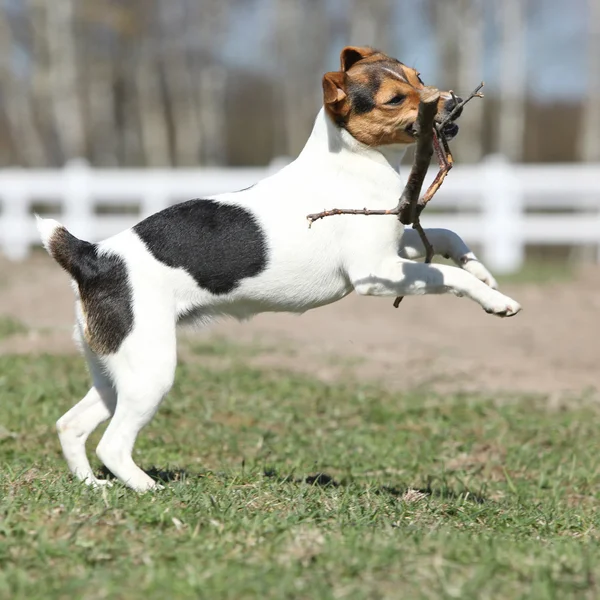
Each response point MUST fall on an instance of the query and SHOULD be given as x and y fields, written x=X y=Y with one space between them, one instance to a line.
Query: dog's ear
x=334 y=87
x=334 y=93
x=352 y=54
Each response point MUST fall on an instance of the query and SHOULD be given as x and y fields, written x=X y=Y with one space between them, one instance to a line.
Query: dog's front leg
x=447 y=244
x=395 y=276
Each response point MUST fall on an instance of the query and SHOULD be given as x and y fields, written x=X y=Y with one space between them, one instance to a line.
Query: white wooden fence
x=496 y=205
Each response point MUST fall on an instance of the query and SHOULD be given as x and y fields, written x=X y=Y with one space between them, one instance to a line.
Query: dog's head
x=376 y=98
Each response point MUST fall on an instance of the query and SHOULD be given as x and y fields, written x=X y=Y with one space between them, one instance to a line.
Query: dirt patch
x=443 y=342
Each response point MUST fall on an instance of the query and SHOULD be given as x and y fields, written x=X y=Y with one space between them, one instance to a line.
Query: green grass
x=541 y=272
x=507 y=509
x=534 y=271
x=10 y=327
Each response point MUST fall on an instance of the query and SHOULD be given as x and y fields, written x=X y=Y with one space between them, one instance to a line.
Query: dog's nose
x=450 y=104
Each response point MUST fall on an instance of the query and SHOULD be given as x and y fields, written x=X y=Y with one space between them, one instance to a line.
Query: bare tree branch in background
x=589 y=133
x=511 y=123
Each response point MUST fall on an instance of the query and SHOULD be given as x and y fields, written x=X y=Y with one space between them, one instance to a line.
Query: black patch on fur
x=218 y=244
x=103 y=287
x=362 y=95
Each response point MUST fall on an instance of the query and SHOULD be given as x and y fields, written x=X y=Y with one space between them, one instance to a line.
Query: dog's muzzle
x=451 y=128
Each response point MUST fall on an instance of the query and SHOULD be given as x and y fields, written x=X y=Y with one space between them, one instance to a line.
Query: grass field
x=282 y=487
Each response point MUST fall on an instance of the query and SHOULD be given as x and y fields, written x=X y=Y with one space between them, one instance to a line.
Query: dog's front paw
x=500 y=305
x=472 y=265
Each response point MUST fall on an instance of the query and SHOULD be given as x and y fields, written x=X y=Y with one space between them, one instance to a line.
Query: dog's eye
x=397 y=99
x=419 y=78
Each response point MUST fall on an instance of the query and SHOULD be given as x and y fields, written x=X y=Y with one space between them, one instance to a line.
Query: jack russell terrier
x=242 y=253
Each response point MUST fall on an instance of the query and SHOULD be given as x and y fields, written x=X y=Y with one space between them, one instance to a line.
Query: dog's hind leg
x=75 y=426
x=143 y=370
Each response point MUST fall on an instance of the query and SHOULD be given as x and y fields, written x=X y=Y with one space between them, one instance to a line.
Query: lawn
x=278 y=486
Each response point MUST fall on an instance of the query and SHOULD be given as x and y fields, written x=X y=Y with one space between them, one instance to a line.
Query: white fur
x=307 y=268
x=46 y=228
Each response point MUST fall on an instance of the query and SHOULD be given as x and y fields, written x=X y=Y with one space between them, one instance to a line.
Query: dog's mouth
x=450 y=130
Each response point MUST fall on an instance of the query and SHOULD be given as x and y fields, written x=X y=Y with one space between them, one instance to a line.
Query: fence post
x=503 y=208
x=15 y=219
x=78 y=207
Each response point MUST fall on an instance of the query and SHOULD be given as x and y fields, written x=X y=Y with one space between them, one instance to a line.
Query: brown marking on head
x=375 y=97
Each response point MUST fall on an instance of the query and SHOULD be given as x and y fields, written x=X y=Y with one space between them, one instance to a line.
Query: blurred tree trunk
x=370 y=24
x=212 y=97
x=209 y=24
x=469 y=143
x=301 y=45
x=100 y=108
x=511 y=121
x=26 y=141
x=179 y=80
x=458 y=29
x=65 y=96
x=589 y=136
x=290 y=46
x=155 y=134
x=446 y=21
x=97 y=70
x=127 y=102
x=40 y=95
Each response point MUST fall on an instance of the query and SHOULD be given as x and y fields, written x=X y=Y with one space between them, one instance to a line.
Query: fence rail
x=499 y=206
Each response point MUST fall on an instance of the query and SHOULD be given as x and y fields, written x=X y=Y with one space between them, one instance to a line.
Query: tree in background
x=458 y=27
x=513 y=92
x=590 y=123
x=149 y=82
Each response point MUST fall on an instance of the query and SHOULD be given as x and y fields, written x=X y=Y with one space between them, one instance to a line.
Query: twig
x=450 y=116
x=446 y=162
x=347 y=211
x=445 y=159
x=454 y=97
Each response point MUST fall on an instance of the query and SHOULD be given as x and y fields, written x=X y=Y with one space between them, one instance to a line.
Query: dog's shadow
x=443 y=491
x=159 y=475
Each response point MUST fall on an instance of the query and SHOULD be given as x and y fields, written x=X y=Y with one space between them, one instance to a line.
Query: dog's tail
x=72 y=254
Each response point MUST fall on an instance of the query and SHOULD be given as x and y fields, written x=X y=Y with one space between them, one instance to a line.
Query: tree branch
x=407 y=205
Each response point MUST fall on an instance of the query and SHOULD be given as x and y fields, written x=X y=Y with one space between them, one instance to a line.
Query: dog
x=242 y=253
